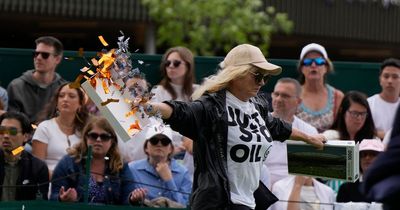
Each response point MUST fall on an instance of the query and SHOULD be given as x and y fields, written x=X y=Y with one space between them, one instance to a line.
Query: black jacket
x=33 y=177
x=206 y=122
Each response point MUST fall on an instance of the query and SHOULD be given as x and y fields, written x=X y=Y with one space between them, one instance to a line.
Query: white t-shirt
x=161 y=94
x=383 y=112
x=277 y=159
x=249 y=142
x=49 y=133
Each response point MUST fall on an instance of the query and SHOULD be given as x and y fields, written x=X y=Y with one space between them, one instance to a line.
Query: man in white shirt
x=285 y=100
x=384 y=105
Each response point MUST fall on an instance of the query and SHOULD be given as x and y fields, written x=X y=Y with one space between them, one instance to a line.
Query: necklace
x=68 y=130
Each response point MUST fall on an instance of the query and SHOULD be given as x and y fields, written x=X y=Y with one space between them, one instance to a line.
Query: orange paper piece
x=135 y=126
x=17 y=150
x=103 y=41
x=94 y=62
x=77 y=82
x=132 y=112
x=109 y=100
x=105 y=87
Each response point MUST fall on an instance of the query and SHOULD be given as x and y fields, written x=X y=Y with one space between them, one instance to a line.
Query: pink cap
x=371 y=145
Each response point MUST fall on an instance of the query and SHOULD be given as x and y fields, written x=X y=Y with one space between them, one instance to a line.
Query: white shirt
x=161 y=94
x=276 y=162
x=49 y=133
x=383 y=112
x=248 y=144
x=283 y=188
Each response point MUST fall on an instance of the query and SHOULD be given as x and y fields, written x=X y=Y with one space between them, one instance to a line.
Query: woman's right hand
x=68 y=196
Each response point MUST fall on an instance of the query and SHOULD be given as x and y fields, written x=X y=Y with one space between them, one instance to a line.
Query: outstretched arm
x=317 y=140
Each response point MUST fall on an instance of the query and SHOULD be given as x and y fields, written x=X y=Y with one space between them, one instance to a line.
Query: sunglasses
x=45 y=55
x=164 y=141
x=175 y=63
x=13 y=131
x=103 y=137
x=318 y=61
x=260 y=77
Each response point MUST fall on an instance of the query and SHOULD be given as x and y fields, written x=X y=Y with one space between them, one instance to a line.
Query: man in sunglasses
x=159 y=175
x=22 y=176
x=30 y=92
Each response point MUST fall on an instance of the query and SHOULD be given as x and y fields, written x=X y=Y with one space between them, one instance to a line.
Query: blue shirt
x=177 y=189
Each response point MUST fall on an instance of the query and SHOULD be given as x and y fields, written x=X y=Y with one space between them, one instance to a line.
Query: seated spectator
x=110 y=180
x=22 y=176
x=353 y=122
x=369 y=149
x=320 y=101
x=4 y=98
x=300 y=192
x=62 y=130
x=159 y=175
x=384 y=104
x=285 y=101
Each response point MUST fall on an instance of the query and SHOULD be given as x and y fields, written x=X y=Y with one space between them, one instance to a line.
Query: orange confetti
x=103 y=41
x=105 y=87
x=135 y=126
x=77 y=82
x=94 y=62
x=109 y=100
x=132 y=112
x=17 y=150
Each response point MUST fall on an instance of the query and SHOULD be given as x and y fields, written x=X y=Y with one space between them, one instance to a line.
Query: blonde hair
x=221 y=79
x=79 y=151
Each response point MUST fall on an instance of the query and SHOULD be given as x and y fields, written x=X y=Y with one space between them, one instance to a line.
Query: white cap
x=158 y=128
x=313 y=47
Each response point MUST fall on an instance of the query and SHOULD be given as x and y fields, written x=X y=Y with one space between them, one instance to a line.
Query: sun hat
x=245 y=54
x=371 y=145
x=313 y=47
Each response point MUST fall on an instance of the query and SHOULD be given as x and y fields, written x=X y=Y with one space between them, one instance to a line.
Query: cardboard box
x=115 y=112
x=338 y=160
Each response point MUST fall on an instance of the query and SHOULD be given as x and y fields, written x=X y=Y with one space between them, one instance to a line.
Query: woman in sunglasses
x=232 y=132
x=177 y=69
x=62 y=122
x=159 y=175
x=320 y=101
x=110 y=181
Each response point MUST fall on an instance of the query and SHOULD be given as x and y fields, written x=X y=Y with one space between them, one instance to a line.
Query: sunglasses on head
x=45 y=55
x=260 y=77
x=103 y=136
x=175 y=63
x=164 y=141
x=13 y=131
x=318 y=61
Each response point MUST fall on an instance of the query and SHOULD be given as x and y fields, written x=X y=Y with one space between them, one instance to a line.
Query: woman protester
x=66 y=116
x=110 y=180
x=232 y=132
x=320 y=101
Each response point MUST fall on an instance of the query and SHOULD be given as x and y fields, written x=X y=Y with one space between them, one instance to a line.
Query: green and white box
x=115 y=112
x=338 y=160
